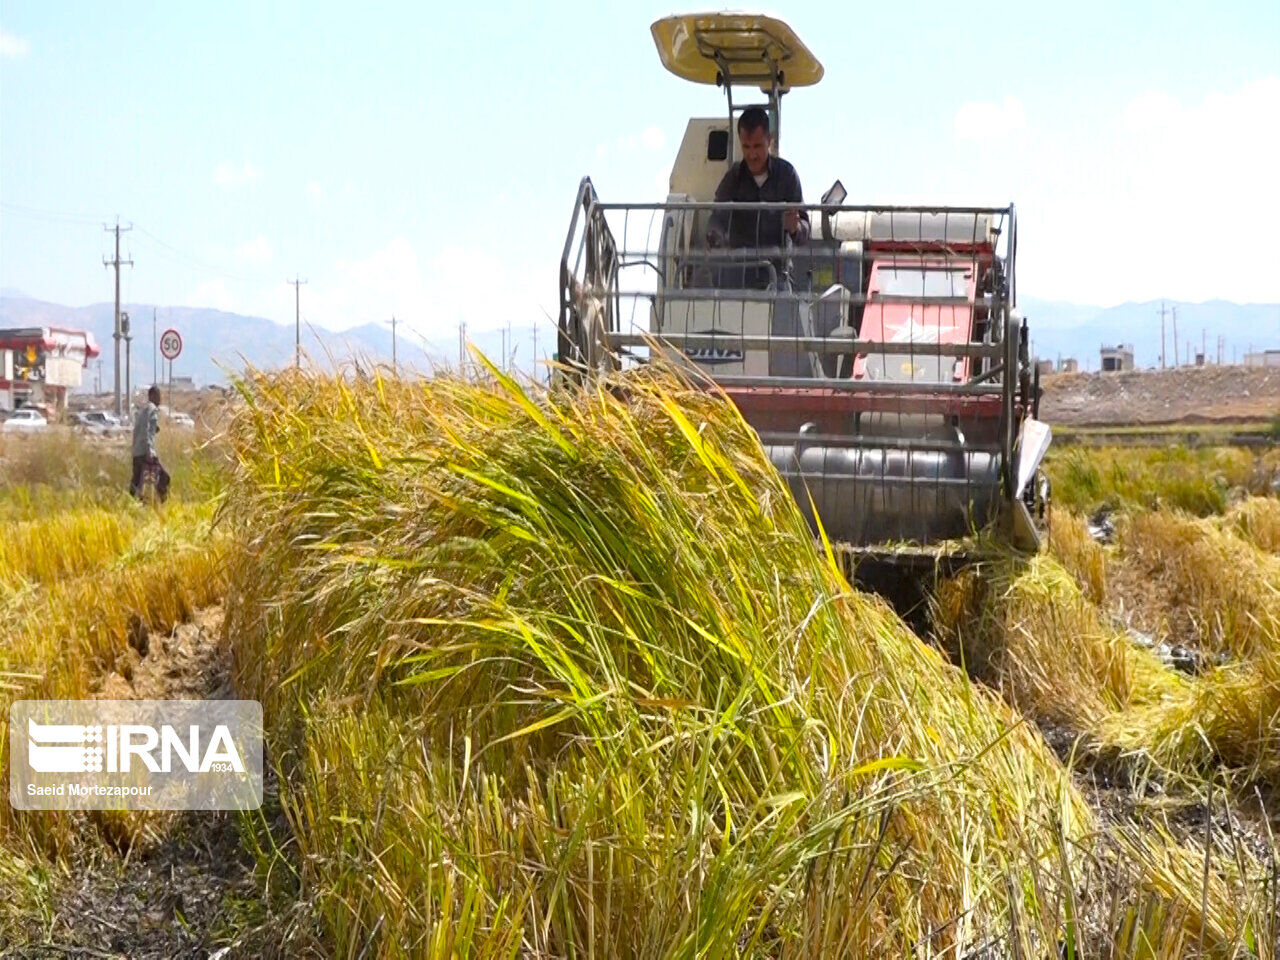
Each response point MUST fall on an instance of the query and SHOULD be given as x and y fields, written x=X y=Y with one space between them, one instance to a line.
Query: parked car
x=96 y=422
x=25 y=420
x=182 y=421
x=86 y=422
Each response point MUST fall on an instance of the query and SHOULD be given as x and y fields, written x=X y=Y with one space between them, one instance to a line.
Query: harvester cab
x=883 y=362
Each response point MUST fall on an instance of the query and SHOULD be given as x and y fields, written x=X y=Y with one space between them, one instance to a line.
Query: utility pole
x=116 y=334
x=1204 y=344
x=535 y=352
x=155 y=363
x=504 y=350
x=1222 y=342
x=462 y=348
x=1162 y=313
x=394 y=366
x=297 y=320
x=1176 y=362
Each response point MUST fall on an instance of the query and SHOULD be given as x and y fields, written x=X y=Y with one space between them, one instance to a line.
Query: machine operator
x=759 y=177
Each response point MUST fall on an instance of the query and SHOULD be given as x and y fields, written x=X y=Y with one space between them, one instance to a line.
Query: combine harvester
x=883 y=363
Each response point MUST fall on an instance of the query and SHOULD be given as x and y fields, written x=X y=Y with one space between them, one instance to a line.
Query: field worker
x=759 y=177
x=145 y=427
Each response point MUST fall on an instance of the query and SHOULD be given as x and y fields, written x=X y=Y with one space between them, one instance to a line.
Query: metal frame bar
x=822 y=345
x=788 y=438
x=768 y=206
x=859 y=386
x=735 y=295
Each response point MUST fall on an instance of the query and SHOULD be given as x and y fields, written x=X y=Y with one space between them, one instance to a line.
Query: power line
x=52 y=216
x=173 y=253
x=191 y=261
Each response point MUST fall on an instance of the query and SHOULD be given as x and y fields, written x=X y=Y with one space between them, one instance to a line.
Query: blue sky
x=424 y=163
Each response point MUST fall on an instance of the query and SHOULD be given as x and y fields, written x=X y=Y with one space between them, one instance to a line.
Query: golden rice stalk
x=1228 y=588
x=571 y=673
x=1025 y=627
x=1256 y=520
x=1079 y=553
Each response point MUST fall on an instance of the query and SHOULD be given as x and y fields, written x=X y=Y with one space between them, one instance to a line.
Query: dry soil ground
x=169 y=896
x=1185 y=395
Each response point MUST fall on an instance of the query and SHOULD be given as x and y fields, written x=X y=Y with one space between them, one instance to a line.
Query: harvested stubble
x=568 y=678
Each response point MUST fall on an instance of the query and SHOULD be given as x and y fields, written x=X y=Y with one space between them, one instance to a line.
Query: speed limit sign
x=170 y=344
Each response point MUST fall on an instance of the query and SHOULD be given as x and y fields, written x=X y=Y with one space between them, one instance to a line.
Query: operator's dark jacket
x=758 y=228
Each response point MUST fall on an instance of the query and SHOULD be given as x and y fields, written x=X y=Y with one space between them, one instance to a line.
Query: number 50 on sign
x=170 y=344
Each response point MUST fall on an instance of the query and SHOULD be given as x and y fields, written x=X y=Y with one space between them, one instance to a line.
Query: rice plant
x=1199 y=481
x=565 y=676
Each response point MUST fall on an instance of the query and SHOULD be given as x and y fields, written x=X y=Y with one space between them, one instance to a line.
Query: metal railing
x=629 y=268
x=882 y=362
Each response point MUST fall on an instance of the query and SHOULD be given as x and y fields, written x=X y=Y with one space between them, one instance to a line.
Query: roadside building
x=1044 y=367
x=41 y=365
x=1262 y=358
x=1069 y=365
x=1117 y=359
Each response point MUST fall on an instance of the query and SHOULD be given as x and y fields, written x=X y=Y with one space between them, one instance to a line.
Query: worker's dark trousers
x=162 y=477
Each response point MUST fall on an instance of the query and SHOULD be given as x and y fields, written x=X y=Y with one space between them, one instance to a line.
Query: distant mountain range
x=215 y=341
x=1060 y=329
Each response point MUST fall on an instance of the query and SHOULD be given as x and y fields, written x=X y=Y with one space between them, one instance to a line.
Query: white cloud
x=11 y=46
x=653 y=138
x=432 y=296
x=214 y=294
x=1168 y=199
x=650 y=139
x=229 y=174
x=257 y=251
x=314 y=190
x=976 y=120
x=1151 y=111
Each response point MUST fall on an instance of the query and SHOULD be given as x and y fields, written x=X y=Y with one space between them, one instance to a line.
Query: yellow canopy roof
x=693 y=45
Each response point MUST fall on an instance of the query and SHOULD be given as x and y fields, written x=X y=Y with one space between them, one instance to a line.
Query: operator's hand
x=791 y=220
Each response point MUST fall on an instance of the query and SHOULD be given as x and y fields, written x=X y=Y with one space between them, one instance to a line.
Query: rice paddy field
x=567 y=676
